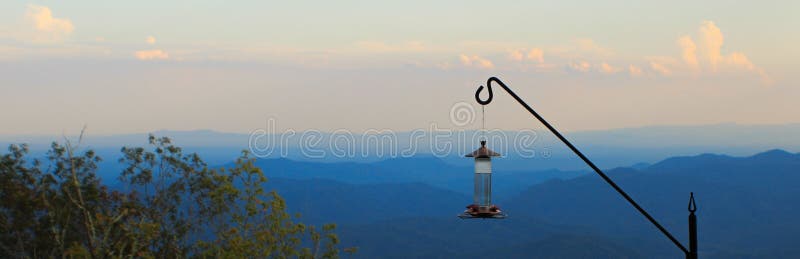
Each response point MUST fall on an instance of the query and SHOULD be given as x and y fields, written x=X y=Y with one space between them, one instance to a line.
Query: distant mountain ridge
x=608 y=148
x=721 y=134
x=740 y=200
x=745 y=210
x=429 y=170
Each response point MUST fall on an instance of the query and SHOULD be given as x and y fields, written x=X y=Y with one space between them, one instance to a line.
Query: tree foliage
x=168 y=205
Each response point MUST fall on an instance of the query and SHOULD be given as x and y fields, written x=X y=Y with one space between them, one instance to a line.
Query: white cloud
x=585 y=66
x=476 y=61
x=704 y=56
x=609 y=69
x=689 y=51
x=738 y=59
x=660 y=68
x=48 y=28
x=581 y=66
x=517 y=55
x=634 y=70
x=700 y=55
x=712 y=39
x=152 y=54
x=536 y=54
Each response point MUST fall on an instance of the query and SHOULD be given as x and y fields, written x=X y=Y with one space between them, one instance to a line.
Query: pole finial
x=692 y=204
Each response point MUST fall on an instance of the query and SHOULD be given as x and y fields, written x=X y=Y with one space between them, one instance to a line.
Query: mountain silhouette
x=745 y=209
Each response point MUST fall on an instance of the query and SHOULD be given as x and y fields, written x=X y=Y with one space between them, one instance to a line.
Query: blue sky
x=122 y=67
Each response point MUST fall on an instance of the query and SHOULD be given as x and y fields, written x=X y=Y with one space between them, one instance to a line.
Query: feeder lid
x=483 y=151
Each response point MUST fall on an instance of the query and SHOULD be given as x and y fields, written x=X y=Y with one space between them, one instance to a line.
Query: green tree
x=169 y=205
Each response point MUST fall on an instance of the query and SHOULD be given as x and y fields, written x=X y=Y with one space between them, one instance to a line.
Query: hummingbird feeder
x=482 y=206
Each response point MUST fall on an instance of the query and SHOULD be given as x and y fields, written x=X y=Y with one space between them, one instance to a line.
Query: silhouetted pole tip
x=692 y=254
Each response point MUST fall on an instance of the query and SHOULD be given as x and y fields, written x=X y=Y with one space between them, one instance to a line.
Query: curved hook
x=489 y=87
x=692 y=204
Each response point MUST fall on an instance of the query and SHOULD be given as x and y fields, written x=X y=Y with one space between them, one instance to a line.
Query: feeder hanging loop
x=489 y=88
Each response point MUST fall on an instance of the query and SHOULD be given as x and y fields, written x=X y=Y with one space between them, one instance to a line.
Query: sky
x=139 y=66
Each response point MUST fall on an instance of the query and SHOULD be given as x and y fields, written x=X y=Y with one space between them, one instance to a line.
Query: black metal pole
x=584 y=158
x=692 y=228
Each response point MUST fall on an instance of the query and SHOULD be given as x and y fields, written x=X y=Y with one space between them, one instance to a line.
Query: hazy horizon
x=74 y=132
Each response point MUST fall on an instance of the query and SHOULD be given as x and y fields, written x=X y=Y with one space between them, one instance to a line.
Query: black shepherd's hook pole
x=691 y=253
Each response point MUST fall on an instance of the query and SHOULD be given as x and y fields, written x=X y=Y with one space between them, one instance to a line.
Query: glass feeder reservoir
x=482 y=206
